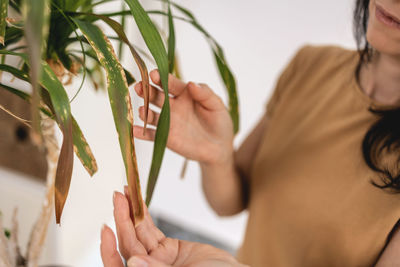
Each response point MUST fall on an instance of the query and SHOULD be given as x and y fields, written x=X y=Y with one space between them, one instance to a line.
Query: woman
x=319 y=172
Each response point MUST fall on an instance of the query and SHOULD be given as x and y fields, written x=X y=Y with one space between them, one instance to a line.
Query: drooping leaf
x=223 y=67
x=60 y=102
x=155 y=44
x=121 y=106
x=230 y=84
x=3 y=17
x=62 y=111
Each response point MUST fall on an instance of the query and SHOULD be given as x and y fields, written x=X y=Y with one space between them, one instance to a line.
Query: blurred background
x=259 y=38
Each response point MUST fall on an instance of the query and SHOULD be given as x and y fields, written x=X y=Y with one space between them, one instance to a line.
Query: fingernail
x=114 y=196
x=103 y=228
x=139 y=88
x=137 y=262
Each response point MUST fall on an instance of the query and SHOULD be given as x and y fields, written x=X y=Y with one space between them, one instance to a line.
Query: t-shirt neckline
x=366 y=99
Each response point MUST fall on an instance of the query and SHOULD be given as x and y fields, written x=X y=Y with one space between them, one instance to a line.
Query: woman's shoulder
x=323 y=56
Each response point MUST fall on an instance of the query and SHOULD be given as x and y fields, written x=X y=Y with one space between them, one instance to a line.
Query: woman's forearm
x=223 y=187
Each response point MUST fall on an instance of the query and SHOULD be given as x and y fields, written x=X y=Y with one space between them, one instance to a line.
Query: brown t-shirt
x=312 y=202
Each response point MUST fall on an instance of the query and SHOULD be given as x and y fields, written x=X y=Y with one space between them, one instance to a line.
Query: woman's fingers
x=145 y=261
x=156 y=96
x=175 y=86
x=148 y=234
x=202 y=94
x=128 y=243
x=108 y=249
x=149 y=135
x=152 y=117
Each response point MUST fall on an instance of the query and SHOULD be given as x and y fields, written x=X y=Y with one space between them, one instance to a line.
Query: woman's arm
x=226 y=185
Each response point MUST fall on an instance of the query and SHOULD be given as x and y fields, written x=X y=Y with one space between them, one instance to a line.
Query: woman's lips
x=386 y=18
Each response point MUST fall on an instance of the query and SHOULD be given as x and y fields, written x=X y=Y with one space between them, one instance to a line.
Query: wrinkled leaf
x=155 y=44
x=3 y=17
x=121 y=106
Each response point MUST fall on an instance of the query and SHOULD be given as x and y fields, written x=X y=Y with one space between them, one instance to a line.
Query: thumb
x=202 y=94
x=145 y=261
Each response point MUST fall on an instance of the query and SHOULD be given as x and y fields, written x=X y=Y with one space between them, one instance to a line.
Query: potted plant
x=59 y=40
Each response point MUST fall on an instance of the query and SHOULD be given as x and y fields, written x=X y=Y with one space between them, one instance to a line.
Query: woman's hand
x=201 y=128
x=146 y=245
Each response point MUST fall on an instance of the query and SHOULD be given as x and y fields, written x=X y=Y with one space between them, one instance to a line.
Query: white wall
x=259 y=37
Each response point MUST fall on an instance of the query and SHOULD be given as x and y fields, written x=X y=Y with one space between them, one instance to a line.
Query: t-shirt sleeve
x=286 y=76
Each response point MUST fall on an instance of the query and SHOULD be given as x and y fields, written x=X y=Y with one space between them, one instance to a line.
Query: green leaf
x=123 y=20
x=3 y=16
x=82 y=149
x=129 y=77
x=121 y=107
x=119 y=30
x=223 y=67
x=22 y=75
x=16 y=92
x=155 y=44
x=13 y=35
x=171 y=40
x=230 y=84
x=60 y=102
x=7 y=233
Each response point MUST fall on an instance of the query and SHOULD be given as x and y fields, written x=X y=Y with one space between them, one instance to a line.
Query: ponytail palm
x=52 y=30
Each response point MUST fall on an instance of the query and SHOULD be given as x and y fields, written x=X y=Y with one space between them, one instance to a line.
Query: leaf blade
x=121 y=107
x=62 y=110
x=155 y=44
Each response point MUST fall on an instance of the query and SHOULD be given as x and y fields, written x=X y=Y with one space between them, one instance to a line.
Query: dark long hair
x=383 y=138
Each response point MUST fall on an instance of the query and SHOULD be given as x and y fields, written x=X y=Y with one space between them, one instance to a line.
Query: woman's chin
x=383 y=44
